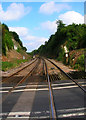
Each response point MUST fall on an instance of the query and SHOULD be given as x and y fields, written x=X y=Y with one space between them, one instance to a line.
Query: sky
x=35 y=22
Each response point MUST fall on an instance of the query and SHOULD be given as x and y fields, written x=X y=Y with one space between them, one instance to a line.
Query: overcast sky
x=36 y=21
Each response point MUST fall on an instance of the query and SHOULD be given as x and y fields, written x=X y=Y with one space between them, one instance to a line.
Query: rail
x=18 y=71
x=21 y=81
x=52 y=106
x=68 y=76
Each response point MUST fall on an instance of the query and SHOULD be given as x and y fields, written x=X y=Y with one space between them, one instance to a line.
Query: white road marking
x=71 y=115
x=66 y=87
x=67 y=83
x=55 y=84
x=55 y=88
x=40 y=89
x=17 y=117
x=71 y=110
x=22 y=86
x=40 y=117
x=5 y=87
x=27 y=114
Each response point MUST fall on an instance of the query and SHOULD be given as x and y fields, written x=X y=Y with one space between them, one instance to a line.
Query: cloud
x=22 y=31
x=51 y=7
x=30 y=41
x=35 y=43
x=51 y=27
x=72 y=17
x=14 y=12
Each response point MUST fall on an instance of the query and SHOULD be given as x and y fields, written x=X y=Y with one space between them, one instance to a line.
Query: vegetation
x=72 y=36
x=7 y=43
x=80 y=63
x=8 y=65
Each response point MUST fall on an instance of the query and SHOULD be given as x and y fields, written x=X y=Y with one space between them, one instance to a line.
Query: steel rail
x=22 y=80
x=52 y=106
x=18 y=71
x=68 y=76
x=25 y=77
x=43 y=68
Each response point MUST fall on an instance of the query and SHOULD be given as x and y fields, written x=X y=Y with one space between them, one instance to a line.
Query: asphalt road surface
x=33 y=101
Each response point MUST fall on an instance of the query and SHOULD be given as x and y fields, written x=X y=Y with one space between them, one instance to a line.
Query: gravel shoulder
x=65 y=68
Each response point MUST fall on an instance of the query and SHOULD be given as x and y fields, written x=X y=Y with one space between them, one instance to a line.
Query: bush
x=7 y=42
x=61 y=55
x=80 y=63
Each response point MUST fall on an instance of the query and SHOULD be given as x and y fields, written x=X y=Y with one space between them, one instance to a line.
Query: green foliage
x=16 y=37
x=6 y=65
x=5 y=27
x=61 y=55
x=21 y=50
x=18 y=49
x=72 y=36
x=80 y=63
x=24 y=48
x=7 y=42
x=13 y=64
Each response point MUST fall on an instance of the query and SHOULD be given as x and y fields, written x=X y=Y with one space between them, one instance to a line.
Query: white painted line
x=27 y=114
x=34 y=118
x=22 y=86
x=66 y=83
x=71 y=115
x=22 y=113
x=36 y=89
x=18 y=117
x=55 y=84
x=15 y=113
x=6 y=87
x=66 y=87
x=27 y=90
x=39 y=112
x=62 y=84
x=19 y=113
x=71 y=110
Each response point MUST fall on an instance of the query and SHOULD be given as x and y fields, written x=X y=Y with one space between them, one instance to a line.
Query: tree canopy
x=72 y=36
x=7 y=43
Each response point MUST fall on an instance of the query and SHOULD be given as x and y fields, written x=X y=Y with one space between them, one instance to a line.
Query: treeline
x=7 y=36
x=72 y=36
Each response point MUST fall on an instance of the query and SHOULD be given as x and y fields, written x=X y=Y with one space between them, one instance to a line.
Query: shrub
x=80 y=63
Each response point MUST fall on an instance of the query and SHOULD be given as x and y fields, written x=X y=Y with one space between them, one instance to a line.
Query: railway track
x=45 y=81
x=20 y=81
x=54 y=77
x=11 y=75
x=67 y=76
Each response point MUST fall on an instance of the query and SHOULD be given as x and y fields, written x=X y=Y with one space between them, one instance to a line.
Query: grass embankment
x=9 y=65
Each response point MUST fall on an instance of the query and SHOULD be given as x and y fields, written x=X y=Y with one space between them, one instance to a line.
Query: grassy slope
x=9 y=65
